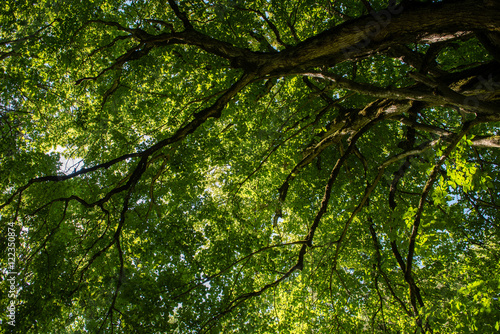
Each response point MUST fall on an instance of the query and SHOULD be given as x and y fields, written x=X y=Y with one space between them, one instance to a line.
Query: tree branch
x=181 y=15
x=269 y=23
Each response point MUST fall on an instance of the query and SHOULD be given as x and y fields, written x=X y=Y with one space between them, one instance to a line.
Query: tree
x=252 y=166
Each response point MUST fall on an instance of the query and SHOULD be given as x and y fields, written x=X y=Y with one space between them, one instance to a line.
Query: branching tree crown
x=189 y=166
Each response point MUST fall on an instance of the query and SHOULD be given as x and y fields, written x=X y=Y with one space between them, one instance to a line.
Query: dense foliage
x=266 y=166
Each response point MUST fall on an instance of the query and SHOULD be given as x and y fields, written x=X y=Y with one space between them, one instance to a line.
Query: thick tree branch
x=414 y=291
x=428 y=186
x=491 y=42
x=342 y=126
x=181 y=15
x=332 y=178
x=269 y=23
x=478 y=141
x=474 y=103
